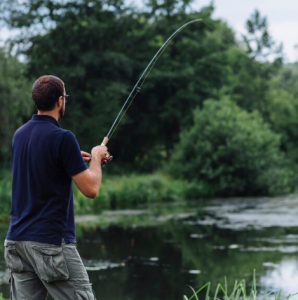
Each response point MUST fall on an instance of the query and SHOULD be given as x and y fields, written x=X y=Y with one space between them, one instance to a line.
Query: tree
x=259 y=43
x=101 y=47
x=283 y=112
x=15 y=100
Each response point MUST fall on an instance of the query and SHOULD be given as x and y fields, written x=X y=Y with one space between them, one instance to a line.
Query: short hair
x=46 y=91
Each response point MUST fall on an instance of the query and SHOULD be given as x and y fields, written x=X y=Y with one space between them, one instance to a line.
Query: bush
x=230 y=152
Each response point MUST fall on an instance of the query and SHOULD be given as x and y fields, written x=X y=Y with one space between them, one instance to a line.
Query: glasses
x=65 y=97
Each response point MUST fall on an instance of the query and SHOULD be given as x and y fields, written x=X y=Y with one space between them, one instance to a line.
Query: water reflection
x=283 y=275
x=155 y=252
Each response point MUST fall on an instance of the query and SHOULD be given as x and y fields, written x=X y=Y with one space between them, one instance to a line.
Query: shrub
x=230 y=152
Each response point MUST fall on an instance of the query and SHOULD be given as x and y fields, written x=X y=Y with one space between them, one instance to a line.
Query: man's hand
x=99 y=152
x=86 y=156
x=89 y=181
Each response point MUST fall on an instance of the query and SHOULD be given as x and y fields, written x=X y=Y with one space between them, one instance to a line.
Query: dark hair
x=46 y=91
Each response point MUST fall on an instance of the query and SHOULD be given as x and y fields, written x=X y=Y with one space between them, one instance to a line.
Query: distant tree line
x=216 y=110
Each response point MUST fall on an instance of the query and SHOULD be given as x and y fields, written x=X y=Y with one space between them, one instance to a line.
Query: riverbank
x=124 y=192
x=117 y=192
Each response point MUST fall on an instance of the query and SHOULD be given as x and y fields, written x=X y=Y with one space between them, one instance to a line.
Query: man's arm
x=89 y=181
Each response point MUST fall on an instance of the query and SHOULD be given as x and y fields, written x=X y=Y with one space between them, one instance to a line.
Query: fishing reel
x=108 y=158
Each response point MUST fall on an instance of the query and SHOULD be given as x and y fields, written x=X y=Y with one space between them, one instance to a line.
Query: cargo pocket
x=50 y=263
x=84 y=292
x=12 y=258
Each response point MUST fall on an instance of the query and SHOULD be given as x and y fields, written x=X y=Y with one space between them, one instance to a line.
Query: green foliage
x=100 y=48
x=117 y=192
x=15 y=101
x=231 y=152
x=258 y=41
x=5 y=194
x=283 y=110
x=108 y=47
x=2 y=298
x=127 y=191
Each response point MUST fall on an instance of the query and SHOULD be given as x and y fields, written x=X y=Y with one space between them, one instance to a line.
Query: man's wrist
x=96 y=159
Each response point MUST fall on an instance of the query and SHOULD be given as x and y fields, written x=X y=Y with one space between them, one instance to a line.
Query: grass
x=239 y=292
x=119 y=192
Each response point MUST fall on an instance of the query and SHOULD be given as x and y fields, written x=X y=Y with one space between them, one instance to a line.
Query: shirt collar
x=46 y=118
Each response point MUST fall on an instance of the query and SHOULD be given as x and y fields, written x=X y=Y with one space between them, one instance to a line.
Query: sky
x=282 y=17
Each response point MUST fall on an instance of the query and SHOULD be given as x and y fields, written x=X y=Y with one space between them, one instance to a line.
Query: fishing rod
x=137 y=89
x=138 y=85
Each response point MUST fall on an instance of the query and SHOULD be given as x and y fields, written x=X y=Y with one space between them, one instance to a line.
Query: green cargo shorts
x=38 y=269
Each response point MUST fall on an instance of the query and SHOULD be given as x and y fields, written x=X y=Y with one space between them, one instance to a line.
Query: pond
x=156 y=252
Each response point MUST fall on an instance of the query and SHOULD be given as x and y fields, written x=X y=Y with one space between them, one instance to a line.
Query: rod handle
x=105 y=141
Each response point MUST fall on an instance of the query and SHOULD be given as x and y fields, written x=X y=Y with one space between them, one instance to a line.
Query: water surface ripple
x=155 y=252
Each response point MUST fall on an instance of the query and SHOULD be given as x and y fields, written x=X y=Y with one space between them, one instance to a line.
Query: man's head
x=48 y=93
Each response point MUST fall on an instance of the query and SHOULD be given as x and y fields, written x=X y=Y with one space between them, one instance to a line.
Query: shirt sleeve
x=70 y=154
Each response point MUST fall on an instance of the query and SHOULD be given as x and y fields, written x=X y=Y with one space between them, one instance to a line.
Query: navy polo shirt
x=44 y=157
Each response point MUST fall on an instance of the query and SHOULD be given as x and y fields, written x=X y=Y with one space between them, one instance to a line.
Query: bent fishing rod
x=137 y=89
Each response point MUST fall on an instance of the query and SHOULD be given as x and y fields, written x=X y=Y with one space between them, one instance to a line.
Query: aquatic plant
x=239 y=292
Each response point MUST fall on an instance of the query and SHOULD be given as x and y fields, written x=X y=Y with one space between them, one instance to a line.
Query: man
x=40 y=246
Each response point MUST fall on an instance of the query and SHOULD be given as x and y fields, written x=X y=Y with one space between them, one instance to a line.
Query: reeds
x=239 y=292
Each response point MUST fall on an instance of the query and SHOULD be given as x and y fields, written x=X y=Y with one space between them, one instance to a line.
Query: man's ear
x=60 y=102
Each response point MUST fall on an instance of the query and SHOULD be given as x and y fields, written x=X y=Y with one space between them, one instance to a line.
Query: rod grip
x=105 y=141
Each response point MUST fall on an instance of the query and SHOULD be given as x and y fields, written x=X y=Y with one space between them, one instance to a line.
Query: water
x=156 y=252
